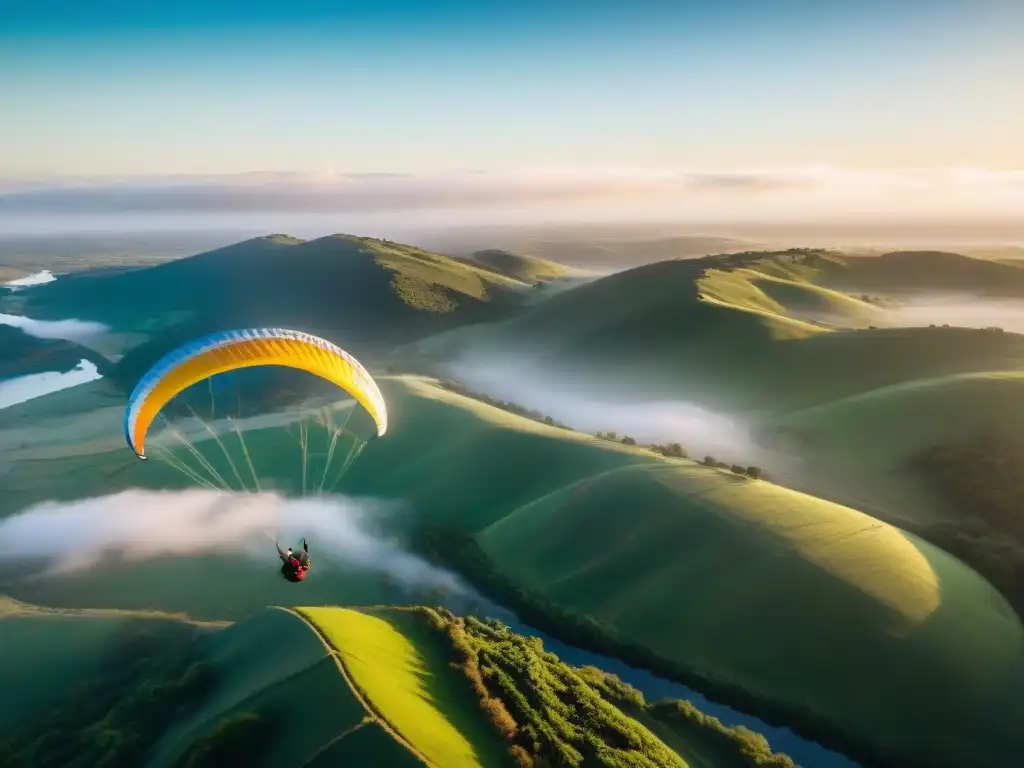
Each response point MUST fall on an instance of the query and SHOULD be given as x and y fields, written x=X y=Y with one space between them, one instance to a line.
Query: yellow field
x=394 y=665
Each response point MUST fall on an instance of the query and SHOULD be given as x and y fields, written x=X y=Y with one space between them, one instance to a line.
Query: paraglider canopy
x=232 y=350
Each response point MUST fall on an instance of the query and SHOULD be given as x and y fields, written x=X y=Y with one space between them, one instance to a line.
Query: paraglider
x=295 y=566
x=233 y=350
x=229 y=351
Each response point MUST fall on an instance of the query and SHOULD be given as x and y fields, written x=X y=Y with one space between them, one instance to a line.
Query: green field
x=403 y=672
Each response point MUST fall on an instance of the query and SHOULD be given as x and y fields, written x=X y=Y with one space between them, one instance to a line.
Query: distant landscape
x=672 y=500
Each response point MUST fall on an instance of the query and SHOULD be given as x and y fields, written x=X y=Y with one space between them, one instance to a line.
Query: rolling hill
x=826 y=591
x=924 y=271
x=863 y=441
x=73 y=646
x=624 y=250
x=526 y=269
x=815 y=594
x=810 y=569
x=745 y=333
x=366 y=294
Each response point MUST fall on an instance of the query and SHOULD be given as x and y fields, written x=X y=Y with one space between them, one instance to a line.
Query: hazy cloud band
x=809 y=191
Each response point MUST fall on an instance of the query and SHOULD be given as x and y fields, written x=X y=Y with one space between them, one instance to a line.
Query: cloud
x=797 y=192
x=66 y=330
x=699 y=429
x=140 y=525
x=39 y=278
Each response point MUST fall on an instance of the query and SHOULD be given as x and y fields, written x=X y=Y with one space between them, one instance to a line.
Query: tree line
x=550 y=713
x=677 y=451
x=505 y=405
x=981 y=481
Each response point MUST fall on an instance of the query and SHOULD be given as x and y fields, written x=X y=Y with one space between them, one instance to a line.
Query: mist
x=141 y=524
x=959 y=310
x=700 y=430
x=39 y=278
x=64 y=330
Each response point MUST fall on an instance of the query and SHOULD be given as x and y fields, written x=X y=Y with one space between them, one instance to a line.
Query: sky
x=116 y=96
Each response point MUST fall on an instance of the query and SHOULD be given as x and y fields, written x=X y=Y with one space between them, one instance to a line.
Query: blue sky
x=214 y=87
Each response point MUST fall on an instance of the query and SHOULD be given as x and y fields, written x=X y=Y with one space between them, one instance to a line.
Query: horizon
x=373 y=116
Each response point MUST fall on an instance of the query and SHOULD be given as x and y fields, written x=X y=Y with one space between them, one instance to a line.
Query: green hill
x=526 y=269
x=402 y=672
x=823 y=590
x=827 y=591
x=724 y=332
x=861 y=442
x=924 y=271
x=43 y=653
x=364 y=293
x=272 y=665
x=626 y=250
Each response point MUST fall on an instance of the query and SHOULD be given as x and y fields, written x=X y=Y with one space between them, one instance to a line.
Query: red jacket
x=298 y=568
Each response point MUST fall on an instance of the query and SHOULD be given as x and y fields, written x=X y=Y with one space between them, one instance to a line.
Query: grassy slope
x=365 y=294
x=826 y=591
x=403 y=672
x=71 y=648
x=714 y=335
x=924 y=271
x=527 y=269
x=616 y=252
x=860 y=442
x=271 y=662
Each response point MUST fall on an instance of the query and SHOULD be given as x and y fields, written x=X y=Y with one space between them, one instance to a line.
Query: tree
x=755 y=472
x=627 y=440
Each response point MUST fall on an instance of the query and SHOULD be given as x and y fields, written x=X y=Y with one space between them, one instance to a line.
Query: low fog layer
x=25 y=388
x=384 y=204
x=698 y=429
x=65 y=330
x=140 y=525
x=965 y=311
x=39 y=278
